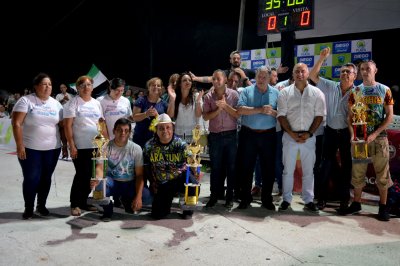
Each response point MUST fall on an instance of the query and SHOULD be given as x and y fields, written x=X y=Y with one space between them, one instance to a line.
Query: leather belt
x=272 y=129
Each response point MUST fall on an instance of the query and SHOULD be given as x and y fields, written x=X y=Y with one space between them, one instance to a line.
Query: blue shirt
x=252 y=97
x=336 y=103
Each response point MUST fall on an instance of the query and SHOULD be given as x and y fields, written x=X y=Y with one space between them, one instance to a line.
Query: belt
x=224 y=133
x=272 y=129
x=340 y=130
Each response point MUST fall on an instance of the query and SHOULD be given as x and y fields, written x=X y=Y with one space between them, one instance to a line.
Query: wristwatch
x=311 y=134
x=245 y=79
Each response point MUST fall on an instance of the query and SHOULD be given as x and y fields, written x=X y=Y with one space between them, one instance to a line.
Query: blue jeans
x=126 y=191
x=334 y=140
x=37 y=169
x=223 y=149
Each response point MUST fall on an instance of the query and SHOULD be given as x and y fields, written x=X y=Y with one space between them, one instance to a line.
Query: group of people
x=243 y=124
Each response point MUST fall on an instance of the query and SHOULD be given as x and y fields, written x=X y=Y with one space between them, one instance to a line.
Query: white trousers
x=290 y=150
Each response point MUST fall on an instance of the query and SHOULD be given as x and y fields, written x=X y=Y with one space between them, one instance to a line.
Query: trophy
x=99 y=167
x=359 y=141
x=191 y=199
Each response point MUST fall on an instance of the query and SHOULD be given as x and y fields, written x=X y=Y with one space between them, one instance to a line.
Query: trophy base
x=361 y=160
x=103 y=201
x=195 y=207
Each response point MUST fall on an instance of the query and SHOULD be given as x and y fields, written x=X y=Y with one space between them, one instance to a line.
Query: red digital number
x=305 y=18
x=271 y=24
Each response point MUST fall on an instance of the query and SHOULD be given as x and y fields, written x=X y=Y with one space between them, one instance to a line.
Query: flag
x=97 y=76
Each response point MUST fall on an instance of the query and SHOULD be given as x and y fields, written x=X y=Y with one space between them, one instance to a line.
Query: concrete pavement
x=214 y=236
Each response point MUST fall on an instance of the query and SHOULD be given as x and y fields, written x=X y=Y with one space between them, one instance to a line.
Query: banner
x=341 y=52
x=6 y=135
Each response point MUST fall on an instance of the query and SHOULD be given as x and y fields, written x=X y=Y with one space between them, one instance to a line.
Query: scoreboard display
x=275 y=16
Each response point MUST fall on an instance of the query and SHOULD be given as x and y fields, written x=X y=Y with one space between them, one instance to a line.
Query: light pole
x=240 y=27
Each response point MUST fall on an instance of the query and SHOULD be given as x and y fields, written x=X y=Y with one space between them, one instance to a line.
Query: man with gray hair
x=257 y=105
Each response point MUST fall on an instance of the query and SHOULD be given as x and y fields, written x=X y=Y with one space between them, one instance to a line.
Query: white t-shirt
x=40 y=129
x=86 y=116
x=114 y=110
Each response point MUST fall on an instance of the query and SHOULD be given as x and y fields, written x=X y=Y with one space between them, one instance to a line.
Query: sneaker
x=76 y=211
x=256 y=191
x=269 y=206
x=228 y=204
x=284 y=206
x=211 y=202
x=42 y=210
x=105 y=219
x=28 y=214
x=321 y=204
x=355 y=207
x=311 y=207
x=383 y=214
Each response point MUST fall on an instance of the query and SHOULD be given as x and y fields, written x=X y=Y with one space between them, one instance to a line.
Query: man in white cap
x=165 y=167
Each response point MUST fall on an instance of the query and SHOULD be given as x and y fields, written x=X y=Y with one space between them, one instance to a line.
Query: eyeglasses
x=348 y=71
x=83 y=85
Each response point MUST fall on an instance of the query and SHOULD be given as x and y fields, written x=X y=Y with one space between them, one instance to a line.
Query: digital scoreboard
x=275 y=16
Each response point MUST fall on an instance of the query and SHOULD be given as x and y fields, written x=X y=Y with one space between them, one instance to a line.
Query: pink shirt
x=223 y=121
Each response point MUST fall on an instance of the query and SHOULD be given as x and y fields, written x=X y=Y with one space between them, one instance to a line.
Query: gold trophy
x=99 y=166
x=359 y=141
x=191 y=200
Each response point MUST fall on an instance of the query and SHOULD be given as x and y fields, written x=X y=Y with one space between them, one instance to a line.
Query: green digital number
x=294 y=2
x=272 y=4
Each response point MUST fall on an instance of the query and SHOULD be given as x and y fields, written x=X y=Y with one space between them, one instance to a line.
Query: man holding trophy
x=370 y=104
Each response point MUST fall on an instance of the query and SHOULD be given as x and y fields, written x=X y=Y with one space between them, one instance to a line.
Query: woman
x=115 y=105
x=185 y=107
x=146 y=108
x=37 y=127
x=82 y=114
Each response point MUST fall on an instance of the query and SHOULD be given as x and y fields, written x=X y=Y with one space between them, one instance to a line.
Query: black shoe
x=42 y=210
x=243 y=205
x=311 y=207
x=343 y=207
x=228 y=204
x=383 y=214
x=211 y=202
x=355 y=207
x=186 y=215
x=28 y=213
x=284 y=206
x=269 y=206
x=321 y=204
x=106 y=218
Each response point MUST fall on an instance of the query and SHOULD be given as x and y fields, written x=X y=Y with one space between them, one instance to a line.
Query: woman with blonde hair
x=146 y=108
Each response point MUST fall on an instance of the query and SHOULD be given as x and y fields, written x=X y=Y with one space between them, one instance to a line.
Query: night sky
x=128 y=39
x=137 y=40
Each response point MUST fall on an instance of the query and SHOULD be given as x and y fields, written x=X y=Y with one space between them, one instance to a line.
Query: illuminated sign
x=275 y=16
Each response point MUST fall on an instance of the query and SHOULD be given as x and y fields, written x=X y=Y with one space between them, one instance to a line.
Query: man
x=64 y=96
x=219 y=108
x=124 y=171
x=379 y=101
x=257 y=106
x=165 y=167
x=337 y=133
x=301 y=109
x=246 y=75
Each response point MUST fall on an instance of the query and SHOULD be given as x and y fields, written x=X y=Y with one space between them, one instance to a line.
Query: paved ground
x=213 y=237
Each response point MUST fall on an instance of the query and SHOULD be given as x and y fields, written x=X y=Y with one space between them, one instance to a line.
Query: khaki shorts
x=378 y=150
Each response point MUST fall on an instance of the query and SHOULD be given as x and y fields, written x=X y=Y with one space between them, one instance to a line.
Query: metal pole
x=240 y=28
